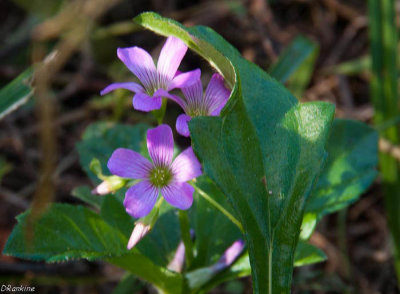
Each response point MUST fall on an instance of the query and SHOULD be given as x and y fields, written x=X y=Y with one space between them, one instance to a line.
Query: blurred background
x=319 y=49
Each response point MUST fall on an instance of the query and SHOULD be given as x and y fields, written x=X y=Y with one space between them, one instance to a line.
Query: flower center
x=197 y=111
x=160 y=176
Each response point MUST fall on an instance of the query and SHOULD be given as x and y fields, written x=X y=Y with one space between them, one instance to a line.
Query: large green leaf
x=160 y=244
x=100 y=139
x=66 y=232
x=16 y=93
x=214 y=231
x=264 y=153
x=349 y=170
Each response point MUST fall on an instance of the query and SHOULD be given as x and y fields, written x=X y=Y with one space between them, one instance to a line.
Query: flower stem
x=219 y=207
x=186 y=238
x=160 y=113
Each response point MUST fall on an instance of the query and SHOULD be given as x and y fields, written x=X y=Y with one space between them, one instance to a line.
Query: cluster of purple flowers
x=163 y=175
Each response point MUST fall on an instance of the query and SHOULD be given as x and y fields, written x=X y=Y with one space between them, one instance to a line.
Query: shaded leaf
x=349 y=170
x=16 y=93
x=100 y=139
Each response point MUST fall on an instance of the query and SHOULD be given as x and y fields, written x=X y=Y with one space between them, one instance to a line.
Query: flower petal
x=140 y=199
x=160 y=143
x=144 y=102
x=194 y=95
x=134 y=87
x=182 y=124
x=185 y=79
x=186 y=166
x=216 y=94
x=127 y=163
x=179 y=195
x=170 y=58
x=140 y=63
x=175 y=98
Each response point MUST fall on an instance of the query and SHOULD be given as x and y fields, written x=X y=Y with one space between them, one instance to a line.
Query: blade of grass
x=384 y=94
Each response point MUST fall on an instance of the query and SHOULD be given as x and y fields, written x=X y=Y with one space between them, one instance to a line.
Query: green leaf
x=160 y=244
x=349 y=170
x=307 y=254
x=100 y=139
x=299 y=52
x=66 y=232
x=129 y=284
x=214 y=231
x=263 y=136
x=84 y=194
x=16 y=93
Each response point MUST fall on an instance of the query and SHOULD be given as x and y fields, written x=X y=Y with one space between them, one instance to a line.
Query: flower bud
x=109 y=185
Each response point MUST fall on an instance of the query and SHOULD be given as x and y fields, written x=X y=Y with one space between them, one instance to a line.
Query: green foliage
x=16 y=93
x=348 y=172
x=272 y=138
x=308 y=254
x=100 y=139
x=84 y=194
x=385 y=99
x=296 y=64
x=214 y=231
x=65 y=232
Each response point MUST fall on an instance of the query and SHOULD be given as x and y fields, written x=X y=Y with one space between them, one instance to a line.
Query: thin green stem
x=219 y=207
x=186 y=238
x=160 y=113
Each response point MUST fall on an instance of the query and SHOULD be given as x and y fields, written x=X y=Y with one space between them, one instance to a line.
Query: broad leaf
x=101 y=139
x=16 y=93
x=349 y=170
x=264 y=153
x=66 y=232
x=214 y=231
x=84 y=194
x=160 y=244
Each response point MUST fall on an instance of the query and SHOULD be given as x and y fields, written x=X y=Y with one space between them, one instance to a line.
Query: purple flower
x=196 y=104
x=162 y=175
x=157 y=81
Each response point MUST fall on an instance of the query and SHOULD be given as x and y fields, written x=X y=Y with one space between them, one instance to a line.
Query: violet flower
x=162 y=175
x=197 y=104
x=156 y=81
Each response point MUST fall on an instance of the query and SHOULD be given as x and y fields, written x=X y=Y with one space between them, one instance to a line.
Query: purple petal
x=182 y=125
x=229 y=255
x=170 y=58
x=127 y=163
x=194 y=95
x=140 y=199
x=177 y=99
x=185 y=79
x=216 y=94
x=160 y=143
x=140 y=63
x=186 y=166
x=134 y=87
x=179 y=195
x=144 y=102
